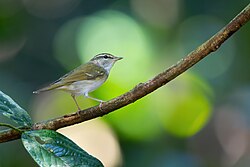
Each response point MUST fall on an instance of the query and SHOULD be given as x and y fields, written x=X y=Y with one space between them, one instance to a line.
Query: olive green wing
x=87 y=71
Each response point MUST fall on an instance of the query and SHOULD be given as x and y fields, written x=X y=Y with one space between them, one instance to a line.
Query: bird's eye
x=105 y=57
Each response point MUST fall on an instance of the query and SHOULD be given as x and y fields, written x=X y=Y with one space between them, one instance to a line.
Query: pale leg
x=87 y=96
x=73 y=96
x=101 y=101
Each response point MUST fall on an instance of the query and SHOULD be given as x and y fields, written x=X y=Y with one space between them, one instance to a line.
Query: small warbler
x=85 y=78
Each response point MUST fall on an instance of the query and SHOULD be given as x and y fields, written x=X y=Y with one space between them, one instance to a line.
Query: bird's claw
x=100 y=105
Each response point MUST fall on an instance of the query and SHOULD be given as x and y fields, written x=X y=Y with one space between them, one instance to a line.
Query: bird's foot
x=100 y=105
x=78 y=113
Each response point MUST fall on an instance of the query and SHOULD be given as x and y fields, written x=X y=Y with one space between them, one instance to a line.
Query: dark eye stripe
x=105 y=56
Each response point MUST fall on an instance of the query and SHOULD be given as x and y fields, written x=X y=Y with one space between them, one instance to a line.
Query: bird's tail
x=50 y=87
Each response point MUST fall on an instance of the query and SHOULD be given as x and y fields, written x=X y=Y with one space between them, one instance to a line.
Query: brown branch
x=143 y=89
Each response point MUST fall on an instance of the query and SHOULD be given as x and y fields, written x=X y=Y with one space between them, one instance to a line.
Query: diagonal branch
x=142 y=89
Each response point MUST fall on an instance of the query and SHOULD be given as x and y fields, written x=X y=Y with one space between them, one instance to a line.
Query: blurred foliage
x=189 y=107
x=181 y=124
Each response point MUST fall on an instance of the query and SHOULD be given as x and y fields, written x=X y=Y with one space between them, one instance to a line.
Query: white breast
x=82 y=87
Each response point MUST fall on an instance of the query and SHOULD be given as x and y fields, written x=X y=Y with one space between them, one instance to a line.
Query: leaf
x=10 y=109
x=49 y=148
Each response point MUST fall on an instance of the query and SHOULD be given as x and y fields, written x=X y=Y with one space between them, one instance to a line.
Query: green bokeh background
x=179 y=125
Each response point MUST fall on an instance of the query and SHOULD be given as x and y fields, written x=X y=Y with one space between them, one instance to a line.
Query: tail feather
x=50 y=87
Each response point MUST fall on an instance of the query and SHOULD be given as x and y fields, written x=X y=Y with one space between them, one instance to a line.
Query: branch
x=142 y=89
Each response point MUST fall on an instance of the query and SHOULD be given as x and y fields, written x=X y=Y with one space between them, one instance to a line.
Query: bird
x=85 y=78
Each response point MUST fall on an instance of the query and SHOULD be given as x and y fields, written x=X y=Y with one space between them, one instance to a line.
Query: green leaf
x=10 y=109
x=49 y=148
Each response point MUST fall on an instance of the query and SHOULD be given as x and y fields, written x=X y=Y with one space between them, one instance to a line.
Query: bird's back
x=88 y=72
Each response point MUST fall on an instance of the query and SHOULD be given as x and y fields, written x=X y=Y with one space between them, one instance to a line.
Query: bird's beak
x=118 y=58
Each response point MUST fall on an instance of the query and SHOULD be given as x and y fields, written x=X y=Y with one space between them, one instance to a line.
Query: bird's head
x=105 y=60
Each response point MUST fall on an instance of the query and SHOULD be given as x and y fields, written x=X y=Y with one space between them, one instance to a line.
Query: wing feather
x=83 y=72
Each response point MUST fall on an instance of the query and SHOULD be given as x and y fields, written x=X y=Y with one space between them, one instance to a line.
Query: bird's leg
x=74 y=98
x=87 y=96
x=100 y=101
